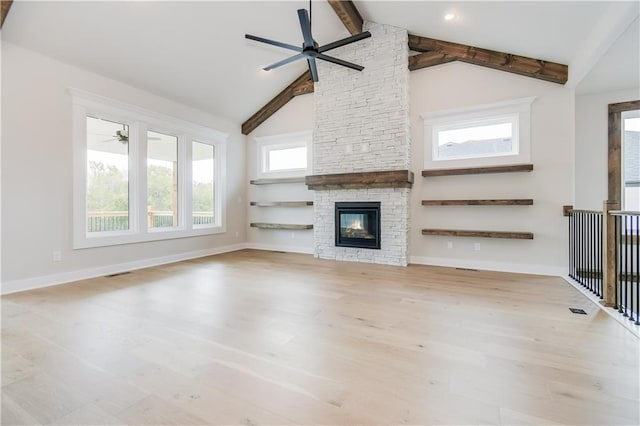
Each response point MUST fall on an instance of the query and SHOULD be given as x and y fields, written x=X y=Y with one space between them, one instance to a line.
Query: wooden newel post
x=609 y=253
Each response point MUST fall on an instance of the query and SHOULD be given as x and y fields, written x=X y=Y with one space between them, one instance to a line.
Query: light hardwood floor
x=257 y=337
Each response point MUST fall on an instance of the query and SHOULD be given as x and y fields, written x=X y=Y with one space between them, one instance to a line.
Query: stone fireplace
x=361 y=147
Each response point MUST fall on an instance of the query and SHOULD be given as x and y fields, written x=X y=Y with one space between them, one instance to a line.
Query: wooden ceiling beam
x=428 y=59
x=348 y=14
x=433 y=52
x=530 y=67
x=300 y=86
x=4 y=9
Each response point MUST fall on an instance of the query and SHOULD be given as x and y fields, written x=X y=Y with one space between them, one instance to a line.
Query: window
x=203 y=188
x=631 y=160
x=107 y=169
x=142 y=176
x=284 y=155
x=485 y=135
x=162 y=180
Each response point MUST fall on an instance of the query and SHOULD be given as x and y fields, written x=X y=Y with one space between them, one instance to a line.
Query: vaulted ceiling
x=196 y=53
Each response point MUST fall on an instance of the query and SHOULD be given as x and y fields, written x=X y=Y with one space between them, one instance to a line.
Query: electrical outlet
x=56 y=256
x=449 y=244
x=348 y=148
x=237 y=234
x=476 y=246
x=364 y=147
x=293 y=235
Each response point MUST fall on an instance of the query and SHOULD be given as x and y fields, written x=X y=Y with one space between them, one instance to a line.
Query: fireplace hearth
x=358 y=225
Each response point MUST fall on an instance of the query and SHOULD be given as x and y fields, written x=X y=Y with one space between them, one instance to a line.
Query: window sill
x=152 y=235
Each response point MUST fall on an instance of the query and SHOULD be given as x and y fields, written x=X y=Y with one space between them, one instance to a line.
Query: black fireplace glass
x=358 y=225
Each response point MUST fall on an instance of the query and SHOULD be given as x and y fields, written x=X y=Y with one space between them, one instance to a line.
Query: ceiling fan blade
x=344 y=41
x=283 y=62
x=312 y=68
x=273 y=42
x=305 y=26
x=340 y=62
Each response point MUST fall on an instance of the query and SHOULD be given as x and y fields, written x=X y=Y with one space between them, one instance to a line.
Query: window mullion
x=139 y=168
x=187 y=172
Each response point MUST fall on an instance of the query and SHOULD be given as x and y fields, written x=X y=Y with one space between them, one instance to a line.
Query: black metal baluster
x=592 y=238
x=579 y=250
x=600 y=248
x=587 y=246
x=616 y=237
x=625 y=299
x=632 y=271
x=591 y=251
x=571 y=247
x=637 y=272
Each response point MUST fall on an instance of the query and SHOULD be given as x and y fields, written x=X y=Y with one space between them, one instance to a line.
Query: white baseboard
x=634 y=329
x=278 y=247
x=15 y=286
x=521 y=268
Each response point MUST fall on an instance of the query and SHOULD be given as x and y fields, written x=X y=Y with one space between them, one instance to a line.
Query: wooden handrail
x=623 y=213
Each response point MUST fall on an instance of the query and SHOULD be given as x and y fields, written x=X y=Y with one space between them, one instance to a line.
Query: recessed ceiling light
x=449 y=16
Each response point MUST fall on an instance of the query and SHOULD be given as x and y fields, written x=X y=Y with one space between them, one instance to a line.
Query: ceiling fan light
x=449 y=16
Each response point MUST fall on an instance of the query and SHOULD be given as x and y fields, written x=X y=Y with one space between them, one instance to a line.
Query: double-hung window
x=143 y=176
x=484 y=135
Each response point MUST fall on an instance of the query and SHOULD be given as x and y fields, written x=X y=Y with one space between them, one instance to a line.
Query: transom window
x=490 y=137
x=143 y=176
x=631 y=160
x=490 y=134
x=284 y=155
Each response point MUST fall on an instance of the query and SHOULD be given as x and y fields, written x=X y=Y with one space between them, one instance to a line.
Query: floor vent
x=578 y=311
x=115 y=275
x=467 y=269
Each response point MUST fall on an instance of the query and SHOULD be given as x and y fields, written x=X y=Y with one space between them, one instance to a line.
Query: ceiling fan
x=310 y=49
x=122 y=136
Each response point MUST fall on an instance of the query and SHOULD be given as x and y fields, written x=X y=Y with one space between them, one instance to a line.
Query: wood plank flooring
x=257 y=337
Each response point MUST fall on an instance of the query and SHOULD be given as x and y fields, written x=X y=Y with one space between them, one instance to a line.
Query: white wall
x=295 y=116
x=550 y=184
x=592 y=123
x=37 y=175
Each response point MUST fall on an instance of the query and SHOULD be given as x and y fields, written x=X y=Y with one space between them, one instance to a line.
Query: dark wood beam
x=428 y=59
x=361 y=180
x=4 y=9
x=303 y=88
x=348 y=14
x=480 y=234
x=478 y=170
x=298 y=87
x=530 y=67
x=494 y=202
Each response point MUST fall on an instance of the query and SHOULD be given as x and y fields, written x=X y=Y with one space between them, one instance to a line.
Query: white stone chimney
x=362 y=125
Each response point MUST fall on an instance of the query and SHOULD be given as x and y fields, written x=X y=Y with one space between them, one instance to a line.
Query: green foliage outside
x=107 y=189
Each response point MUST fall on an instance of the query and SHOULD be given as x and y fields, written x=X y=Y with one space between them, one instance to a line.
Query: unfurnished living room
x=320 y=212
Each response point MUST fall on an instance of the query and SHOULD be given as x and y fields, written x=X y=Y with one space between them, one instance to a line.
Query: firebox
x=358 y=225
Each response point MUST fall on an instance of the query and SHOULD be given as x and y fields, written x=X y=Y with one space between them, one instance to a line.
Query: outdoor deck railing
x=119 y=220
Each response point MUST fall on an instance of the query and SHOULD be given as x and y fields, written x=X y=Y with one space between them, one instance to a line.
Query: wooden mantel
x=361 y=180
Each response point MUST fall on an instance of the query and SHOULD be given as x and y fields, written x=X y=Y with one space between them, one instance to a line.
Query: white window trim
x=140 y=120
x=520 y=109
x=288 y=140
